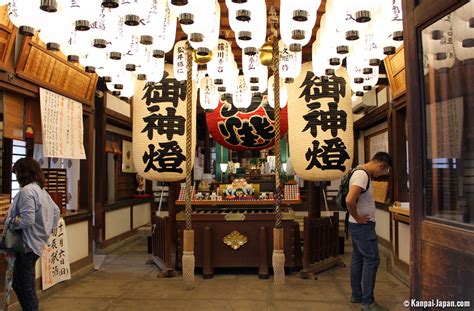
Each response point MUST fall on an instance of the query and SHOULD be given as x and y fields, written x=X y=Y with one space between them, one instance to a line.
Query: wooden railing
x=162 y=251
x=321 y=245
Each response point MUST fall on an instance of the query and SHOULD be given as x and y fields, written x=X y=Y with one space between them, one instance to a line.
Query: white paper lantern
x=159 y=129
x=208 y=95
x=242 y=97
x=26 y=15
x=320 y=125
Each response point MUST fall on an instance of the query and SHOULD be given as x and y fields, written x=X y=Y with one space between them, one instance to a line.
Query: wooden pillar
x=207 y=152
x=207 y=268
x=263 y=253
x=173 y=193
x=314 y=200
x=100 y=165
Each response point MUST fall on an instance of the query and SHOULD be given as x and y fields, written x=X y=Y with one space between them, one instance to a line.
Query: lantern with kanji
x=159 y=128
x=320 y=125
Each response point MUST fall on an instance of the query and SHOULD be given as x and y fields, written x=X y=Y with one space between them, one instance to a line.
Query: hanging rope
x=278 y=256
x=188 y=260
x=189 y=120
x=277 y=149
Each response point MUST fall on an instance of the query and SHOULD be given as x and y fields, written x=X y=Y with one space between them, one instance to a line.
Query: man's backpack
x=344 y=189
x=342 y=194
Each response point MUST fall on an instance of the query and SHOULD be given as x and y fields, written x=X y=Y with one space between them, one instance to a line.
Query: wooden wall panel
x=14 y=106
x=446 y=274
x=395 y=66
x=7 y=40
x=51 y=70
x=33 y=118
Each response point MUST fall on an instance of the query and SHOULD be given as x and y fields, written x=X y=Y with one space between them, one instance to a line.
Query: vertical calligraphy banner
x=61 y=120
x=159 y=128
x=320 y=125
x=55 y=266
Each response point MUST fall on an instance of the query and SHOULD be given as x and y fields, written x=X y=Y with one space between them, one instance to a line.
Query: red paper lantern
x=249 y=130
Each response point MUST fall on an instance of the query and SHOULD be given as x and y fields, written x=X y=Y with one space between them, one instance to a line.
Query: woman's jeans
x=365 y=261
x=24 y=281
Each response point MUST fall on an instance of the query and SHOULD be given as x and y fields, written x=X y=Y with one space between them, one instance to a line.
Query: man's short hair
x=383 y=157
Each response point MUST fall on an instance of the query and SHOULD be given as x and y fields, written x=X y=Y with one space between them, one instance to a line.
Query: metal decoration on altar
x=321 y=131
x=159 y=134
x=253 y=129
x=235 y=240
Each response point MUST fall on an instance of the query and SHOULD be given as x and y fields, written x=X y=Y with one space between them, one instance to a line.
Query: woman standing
x=35 y=213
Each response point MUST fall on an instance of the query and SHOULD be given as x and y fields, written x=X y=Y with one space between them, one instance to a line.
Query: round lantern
x=208 y=95
x=159 y=128
x=249 y=130
x=320 y=125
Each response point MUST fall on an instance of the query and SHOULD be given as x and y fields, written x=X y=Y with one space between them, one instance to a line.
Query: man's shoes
x=355 y=300
x=373 y=307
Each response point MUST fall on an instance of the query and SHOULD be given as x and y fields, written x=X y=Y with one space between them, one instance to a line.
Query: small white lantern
x=208 y=95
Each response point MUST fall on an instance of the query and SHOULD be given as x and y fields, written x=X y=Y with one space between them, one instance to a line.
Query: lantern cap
x=397 y=35
x=358 y=80
x=300 y=15
x=342 y=49
x=218 y=81
x=110 y=4
x=73 y=58
x=202 y=51
x=367 y=70
x=53 y=46
x=118 y=86
x=116 y=93
x=362 y=16
x=367 y=87
x=27 y=31
x=359 y=93
x=289 y=80
x=330 y=72
x=90 y=69
x=254 y=80
x=374 y=62
x=250 y=50
x=389 y=50
x=244 y=35
x=179 y=2
x=295 y=47
x=115 y=55
x=158 y=53
x=468 y=43
x=82 y=25
x=352 y=35
x=297 y=34
x=196 y=37
x=146 y=40
x=130 y=67
x=243 y=15
x=186 y=18
x=141 y=77
x=132 y=20
x=254 y=88
x=334 y=61
x=100 y=43
x=107 y=79
x=49 y=6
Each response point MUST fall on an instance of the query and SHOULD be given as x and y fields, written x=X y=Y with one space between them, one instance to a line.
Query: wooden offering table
x=239 y=233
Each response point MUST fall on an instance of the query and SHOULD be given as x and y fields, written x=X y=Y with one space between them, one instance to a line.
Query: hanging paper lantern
x=290 y=63
x=208 y=95
x=26 y=15
x=250 y=130
x=159 y=128
x=320 y=125
x=242 y=97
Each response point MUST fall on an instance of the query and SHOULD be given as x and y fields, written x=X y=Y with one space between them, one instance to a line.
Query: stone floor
x=125 y=282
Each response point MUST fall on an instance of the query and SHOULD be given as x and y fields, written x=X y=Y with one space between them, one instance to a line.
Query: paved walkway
x=125 y=282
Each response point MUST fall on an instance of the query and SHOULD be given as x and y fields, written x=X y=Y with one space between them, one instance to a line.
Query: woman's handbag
x=12 y=239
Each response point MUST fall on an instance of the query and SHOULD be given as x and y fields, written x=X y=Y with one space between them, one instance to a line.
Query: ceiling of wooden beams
x=228 y=34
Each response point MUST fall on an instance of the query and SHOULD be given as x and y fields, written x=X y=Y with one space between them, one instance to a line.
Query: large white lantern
x=159 y=128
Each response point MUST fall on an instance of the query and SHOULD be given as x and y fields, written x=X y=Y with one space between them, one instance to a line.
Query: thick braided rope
x=276 y=89
x=189 y=120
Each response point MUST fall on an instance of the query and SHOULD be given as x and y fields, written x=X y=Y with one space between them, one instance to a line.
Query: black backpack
x=342 y=194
